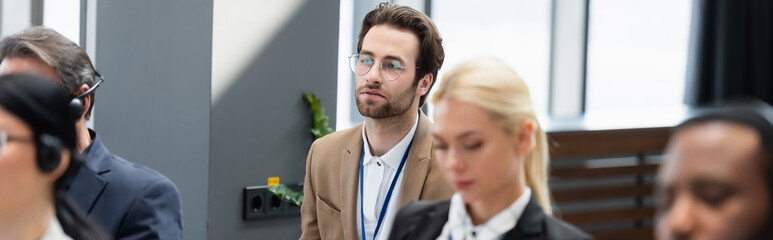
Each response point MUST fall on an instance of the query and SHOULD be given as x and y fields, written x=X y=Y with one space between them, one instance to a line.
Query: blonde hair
x=491 y=85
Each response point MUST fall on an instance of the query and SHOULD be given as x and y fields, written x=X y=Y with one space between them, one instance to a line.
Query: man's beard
x=397 y=106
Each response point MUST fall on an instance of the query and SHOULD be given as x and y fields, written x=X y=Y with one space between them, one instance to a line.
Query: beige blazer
x=329 y=209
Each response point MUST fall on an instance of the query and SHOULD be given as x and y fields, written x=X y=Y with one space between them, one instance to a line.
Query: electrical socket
x=259 y=203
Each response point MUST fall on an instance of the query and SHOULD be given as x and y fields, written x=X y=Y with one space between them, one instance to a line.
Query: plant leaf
x=320 y=120
x=285 y=193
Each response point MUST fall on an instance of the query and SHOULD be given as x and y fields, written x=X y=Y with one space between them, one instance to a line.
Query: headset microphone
x=76 y=105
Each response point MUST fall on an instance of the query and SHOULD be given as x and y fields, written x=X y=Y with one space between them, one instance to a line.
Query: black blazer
x=425 y=220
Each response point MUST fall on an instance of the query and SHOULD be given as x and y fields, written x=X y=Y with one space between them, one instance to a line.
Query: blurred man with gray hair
x=128 y=200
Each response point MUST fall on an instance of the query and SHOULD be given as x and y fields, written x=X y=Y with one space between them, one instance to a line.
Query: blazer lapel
x=88 y=183
x=418 y=162
x=86 y=188
x=350 y=173
x=530 y=225
x=432 y=222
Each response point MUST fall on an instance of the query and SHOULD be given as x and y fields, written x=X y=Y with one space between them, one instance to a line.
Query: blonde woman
x=492 y=150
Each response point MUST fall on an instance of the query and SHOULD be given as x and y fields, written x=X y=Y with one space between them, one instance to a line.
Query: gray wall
x=154 y=107
x=260 y=125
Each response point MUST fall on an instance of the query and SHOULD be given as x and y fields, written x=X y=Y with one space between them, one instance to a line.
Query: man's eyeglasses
x=390 y=68
x=5 y=138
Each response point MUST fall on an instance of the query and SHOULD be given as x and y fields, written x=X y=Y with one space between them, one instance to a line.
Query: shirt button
x=379 y=164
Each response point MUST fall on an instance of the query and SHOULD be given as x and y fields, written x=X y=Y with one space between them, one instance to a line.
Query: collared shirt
x=459 y=225
x=87 y=150
x=378 y=172
x=54 y=231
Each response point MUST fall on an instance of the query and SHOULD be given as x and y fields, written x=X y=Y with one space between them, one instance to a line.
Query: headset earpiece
x=76 y=108
x=76 y=104
x=49 y=152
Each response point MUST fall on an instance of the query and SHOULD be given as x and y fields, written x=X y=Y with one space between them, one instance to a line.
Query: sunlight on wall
x=240 y=31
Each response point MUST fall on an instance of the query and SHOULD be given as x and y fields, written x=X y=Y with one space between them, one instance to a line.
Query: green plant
x=320 y=119
x=285 y=193
x=320 y=128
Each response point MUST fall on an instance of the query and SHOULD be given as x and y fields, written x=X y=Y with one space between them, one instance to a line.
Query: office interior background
x=209 y=92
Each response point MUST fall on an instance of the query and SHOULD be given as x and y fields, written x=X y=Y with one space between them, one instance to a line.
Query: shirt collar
x=87 y=150
x=54 y=231
x=459 y=225
x=394 y=156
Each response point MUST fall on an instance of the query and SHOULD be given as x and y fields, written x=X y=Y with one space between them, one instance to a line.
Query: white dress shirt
x=378 y=172
x=54 y=231
x=459 y=224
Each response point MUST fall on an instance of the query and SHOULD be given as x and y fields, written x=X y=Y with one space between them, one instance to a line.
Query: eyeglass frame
x=5 y=138
x=380 y=66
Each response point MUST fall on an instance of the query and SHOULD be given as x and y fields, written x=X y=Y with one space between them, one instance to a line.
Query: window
x=64 y=16
x=634 y=61
x=61 y=15
x=15 y=17
x=517 y=32
x=637 y=55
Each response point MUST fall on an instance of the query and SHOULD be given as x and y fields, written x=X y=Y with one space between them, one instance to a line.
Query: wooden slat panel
x=611 y=215
x=607 y=143
x=628 y=234
x=571 y=173
x=599 y=193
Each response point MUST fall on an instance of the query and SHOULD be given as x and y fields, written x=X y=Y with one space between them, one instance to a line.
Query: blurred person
x=37 y=147
x=491 y=148
x=357 y=178
x=717 y=177
x=127 y=200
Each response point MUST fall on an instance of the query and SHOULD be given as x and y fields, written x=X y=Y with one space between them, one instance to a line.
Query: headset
x=49 y=147
x=76 y=105
x=49 y=152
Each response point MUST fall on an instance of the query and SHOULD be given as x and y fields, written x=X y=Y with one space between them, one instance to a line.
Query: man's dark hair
x=431 y=53
x=72 y=65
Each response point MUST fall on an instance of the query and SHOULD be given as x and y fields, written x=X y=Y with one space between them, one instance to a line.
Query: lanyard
x=389 y=193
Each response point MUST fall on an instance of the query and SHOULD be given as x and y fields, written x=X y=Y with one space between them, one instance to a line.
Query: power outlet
x=259 y=203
